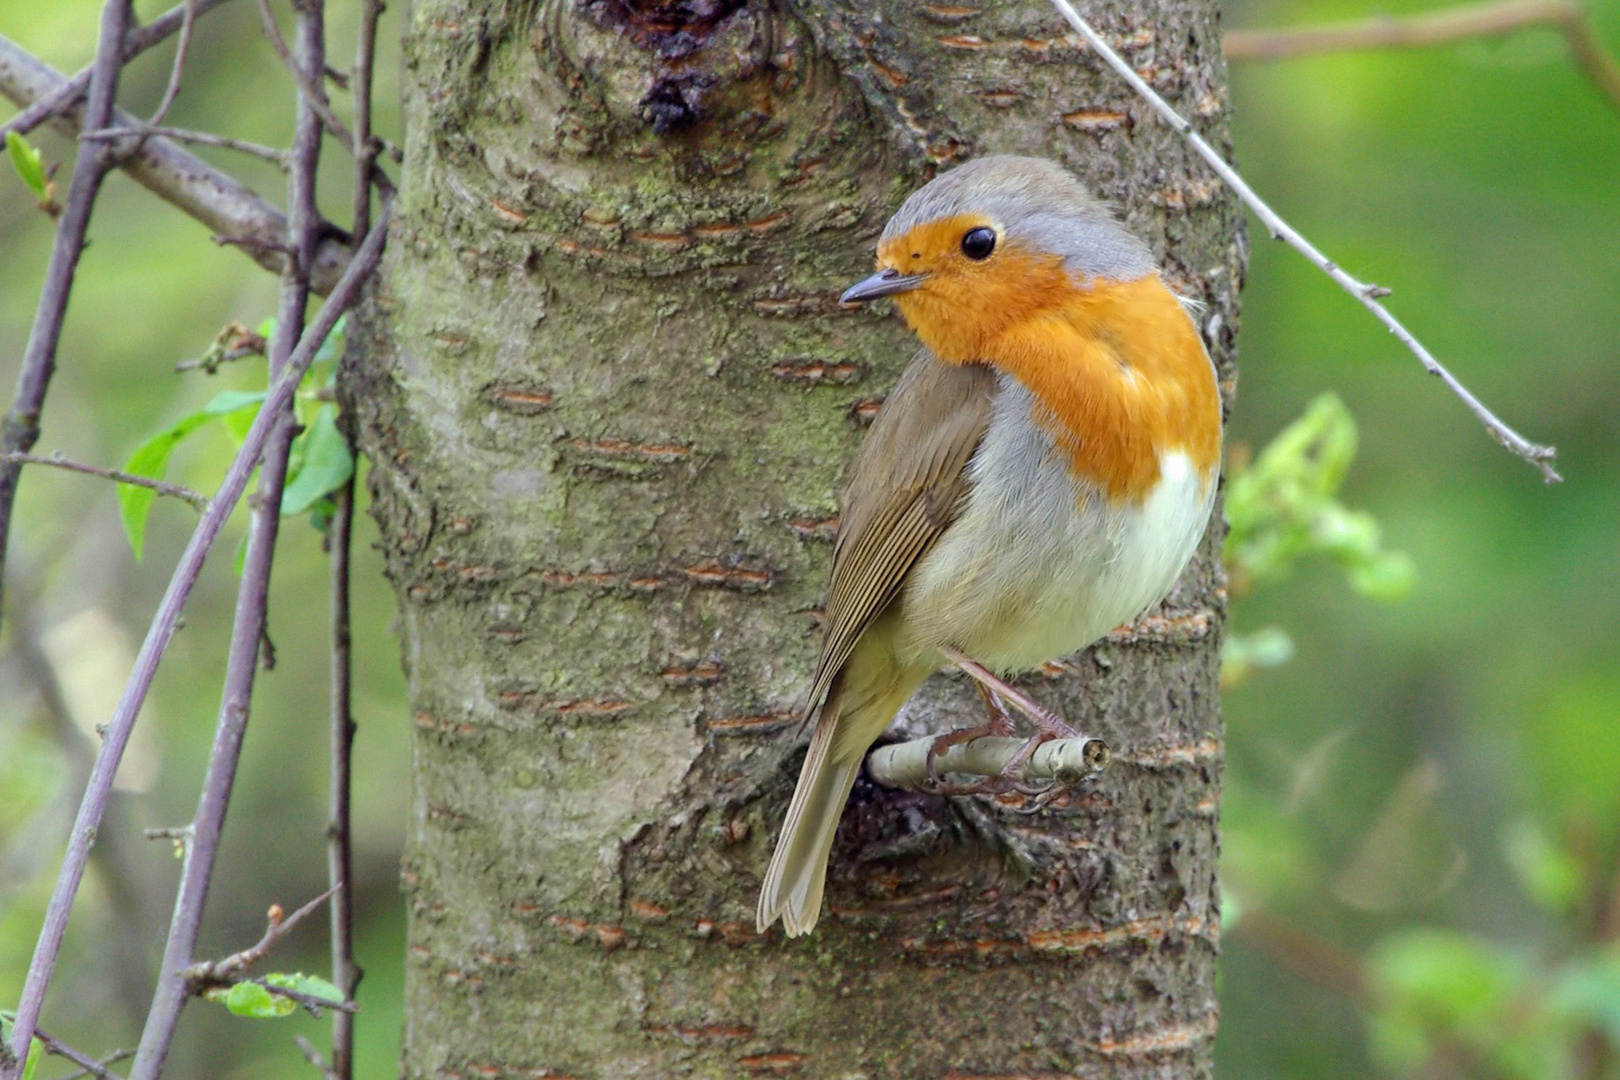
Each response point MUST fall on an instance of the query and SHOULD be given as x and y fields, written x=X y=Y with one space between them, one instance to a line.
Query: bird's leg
x=999 y=723
x=995 y=691
x=1049 y=723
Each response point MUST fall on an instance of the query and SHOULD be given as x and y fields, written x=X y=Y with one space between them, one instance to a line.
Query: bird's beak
x=882 y=283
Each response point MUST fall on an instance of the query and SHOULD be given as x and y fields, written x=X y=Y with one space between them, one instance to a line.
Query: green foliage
x=1284 y=507
x=30 y=165
x=1244 y=654
x=319 y=461
x=253 y=1000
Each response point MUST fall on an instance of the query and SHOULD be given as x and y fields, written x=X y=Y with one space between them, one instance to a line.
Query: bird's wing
x=907 y=486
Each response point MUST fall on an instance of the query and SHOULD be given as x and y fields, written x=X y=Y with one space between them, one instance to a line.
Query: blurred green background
x=1423 y=802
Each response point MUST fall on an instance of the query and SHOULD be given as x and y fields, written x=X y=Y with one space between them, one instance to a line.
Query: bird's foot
x=997 y=693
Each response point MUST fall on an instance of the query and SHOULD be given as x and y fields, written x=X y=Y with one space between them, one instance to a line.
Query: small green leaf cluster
x=1486 y=1003
x=29 y=164
x=1285 y=506
x=319 y=462
x=253 y=999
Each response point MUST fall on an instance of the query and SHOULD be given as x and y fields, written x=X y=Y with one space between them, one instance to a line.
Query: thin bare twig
x=346 y=973
x=277 y=925
x=88 y=1066
x=222 y=203
x=137 y=41
x=165 y=621
x=309 y=1001
x=311 y=86
x=111 y=1059
x=1461 y=23
x=20 y=428
x=233 y=342
x=313 y=1056
x=171 y=91
x=275 y=157
x=252 y=598
x=196 y=499
x=1539 y=456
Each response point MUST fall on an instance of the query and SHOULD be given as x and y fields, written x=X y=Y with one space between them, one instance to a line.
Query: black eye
x=979 y=243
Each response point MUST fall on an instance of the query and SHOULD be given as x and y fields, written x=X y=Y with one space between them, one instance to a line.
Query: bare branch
x=1493 y=19
x=222 y=203
x=1539 y=456
x=91 y=1070
x=346 y=973
x=1059 y=761
x=253 y=592
x=276 y=157
x=20 y=428
x=277 y=925
x=172 y=91
x=88 y=1066
x=93 y=806
x=316 y=92
x=136 y=42
x=196 y=499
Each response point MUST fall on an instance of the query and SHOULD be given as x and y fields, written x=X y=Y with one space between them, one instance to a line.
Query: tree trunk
x=608 y=413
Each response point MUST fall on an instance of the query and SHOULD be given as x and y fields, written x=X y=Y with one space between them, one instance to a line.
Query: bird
x=1041 y=473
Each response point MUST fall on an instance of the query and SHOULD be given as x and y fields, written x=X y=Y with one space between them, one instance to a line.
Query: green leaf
x=151 y=459
x=29 y=163
x=1547 y=872
x=35 y=1048
x=1434 y=985
x=252 y=1000
x=236 y=409
x=1284 y=506
x=309 y=985
x=323 y=463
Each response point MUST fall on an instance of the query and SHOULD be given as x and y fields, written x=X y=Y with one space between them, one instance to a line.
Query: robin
x=1041 y=474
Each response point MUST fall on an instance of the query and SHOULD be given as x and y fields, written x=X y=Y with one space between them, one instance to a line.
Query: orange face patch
x=1118 y=366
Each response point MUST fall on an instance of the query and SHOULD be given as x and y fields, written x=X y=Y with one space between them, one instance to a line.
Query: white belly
x=1038 y=565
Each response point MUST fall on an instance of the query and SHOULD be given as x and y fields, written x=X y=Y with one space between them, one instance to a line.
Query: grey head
x=1035 y=203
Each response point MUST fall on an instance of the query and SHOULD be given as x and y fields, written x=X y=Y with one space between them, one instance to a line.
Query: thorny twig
x=196 y=499
x=166 y=619
x=1539 y=456
x=1492 y=19
x=252 y=598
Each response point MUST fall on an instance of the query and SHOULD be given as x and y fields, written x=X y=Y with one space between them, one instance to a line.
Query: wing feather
x=909 y=483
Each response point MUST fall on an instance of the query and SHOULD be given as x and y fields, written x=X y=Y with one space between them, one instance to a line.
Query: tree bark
x=609 y=405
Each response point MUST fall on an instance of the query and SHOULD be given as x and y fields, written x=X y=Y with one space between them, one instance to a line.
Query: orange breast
x=1123 y=374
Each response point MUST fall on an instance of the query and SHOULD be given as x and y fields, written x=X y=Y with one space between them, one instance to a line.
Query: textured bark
x=609 y=410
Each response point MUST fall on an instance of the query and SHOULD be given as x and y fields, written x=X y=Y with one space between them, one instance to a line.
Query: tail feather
x=798 y=871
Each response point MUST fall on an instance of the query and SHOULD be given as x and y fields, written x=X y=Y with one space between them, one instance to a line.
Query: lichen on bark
x=609 y=405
